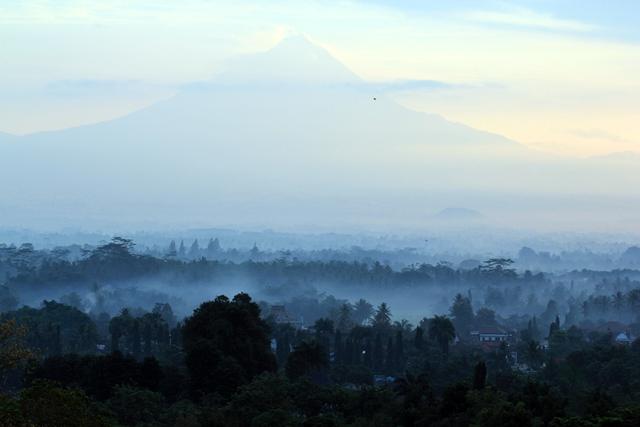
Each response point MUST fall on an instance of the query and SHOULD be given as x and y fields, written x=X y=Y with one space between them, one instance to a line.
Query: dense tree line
x=230 y=363
x=116 y=260
x=234 y=366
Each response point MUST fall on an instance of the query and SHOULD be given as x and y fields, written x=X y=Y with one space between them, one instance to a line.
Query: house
x=623 y=338
x=491 y=334
x=619 y=332
x=491 y=337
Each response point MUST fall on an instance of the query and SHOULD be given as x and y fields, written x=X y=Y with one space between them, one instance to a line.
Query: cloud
x=598 y=134
x=408 y=85
x=369 y=86
x=99 y=88
x=522 y=17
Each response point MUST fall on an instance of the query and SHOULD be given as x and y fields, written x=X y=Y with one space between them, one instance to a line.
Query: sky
x=560 y=76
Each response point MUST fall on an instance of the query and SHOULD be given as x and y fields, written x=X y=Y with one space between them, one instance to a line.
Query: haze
x=130 y=116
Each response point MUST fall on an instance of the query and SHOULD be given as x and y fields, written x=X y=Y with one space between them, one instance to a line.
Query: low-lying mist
x=116 y=275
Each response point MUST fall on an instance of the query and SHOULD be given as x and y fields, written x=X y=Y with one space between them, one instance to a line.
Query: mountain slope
x=289 y=135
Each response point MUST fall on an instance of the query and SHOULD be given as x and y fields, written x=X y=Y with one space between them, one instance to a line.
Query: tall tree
x=367 y=356
x=382 y=317
x=377 y=353
x=194 y=250
x=172 y=252
x=226 y=344
x=213 y=248
x=554 y=327
x=147 y=338
x=418 y=340
x=498 y=268
x=442 y=330
x=135 y=338
x=390 y=359
x=462 y=314
x=479 y=376
x=362 y=311
x=282 y=349
x=399 y=351
x=338 y=348
x=324 y=330
x=344 y=317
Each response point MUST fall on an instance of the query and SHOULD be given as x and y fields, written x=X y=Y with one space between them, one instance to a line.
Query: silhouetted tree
x=442 y=330
x=194 y=250
x=362 y=311
x=226 y=344
x=306 y=358
x=479 y=376
x=418 y=340
x=399 y=352
x=390 y=357
x=338 y=348
x=462 y=314
x=377 y=353
x=382 y=317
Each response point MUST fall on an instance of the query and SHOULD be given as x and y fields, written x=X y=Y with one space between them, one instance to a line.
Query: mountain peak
x=294 y=59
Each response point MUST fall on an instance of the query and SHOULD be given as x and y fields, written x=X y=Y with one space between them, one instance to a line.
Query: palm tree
x=442 y=330
x=404 y=325
x=344 y=317
x=362 y=310
x=382 y=318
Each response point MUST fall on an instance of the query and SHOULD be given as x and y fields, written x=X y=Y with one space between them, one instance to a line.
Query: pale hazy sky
x=559 y=75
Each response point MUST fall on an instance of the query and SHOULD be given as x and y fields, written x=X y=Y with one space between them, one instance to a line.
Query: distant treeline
x=117 y=261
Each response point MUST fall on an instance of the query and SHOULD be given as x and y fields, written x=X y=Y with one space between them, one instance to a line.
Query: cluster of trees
x=230 y=364
x=621 y=306
x=235 y=367
x=105 y=278
x=55 y=328
x=577 y=259
x=117 y=260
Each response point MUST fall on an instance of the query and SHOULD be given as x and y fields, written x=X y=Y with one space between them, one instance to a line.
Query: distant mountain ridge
x=280 y=137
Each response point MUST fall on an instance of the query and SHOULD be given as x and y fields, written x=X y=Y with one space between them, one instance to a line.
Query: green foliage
x=362 y=311
x=305 y=359
x=580 y=379
x=462 y=314
x=56 y=328
x=10 y=412
x=226 y=344
x=98 y=376
x=13 y=351
x=382 y=318
x=442 y=330
x=134 y=406
x=479 y=376
x=45 y=404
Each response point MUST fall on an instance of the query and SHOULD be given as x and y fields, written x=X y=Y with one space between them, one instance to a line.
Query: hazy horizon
x=281 y=124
